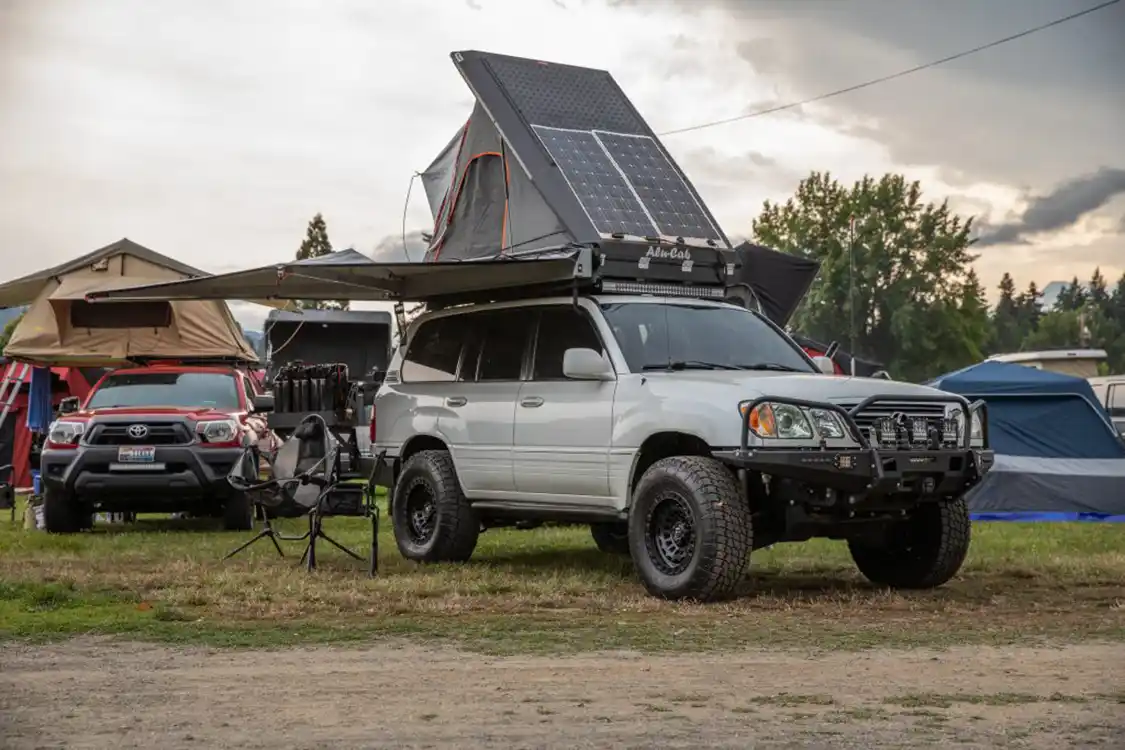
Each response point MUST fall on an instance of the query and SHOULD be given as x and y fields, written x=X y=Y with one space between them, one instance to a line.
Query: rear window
x=178 y=389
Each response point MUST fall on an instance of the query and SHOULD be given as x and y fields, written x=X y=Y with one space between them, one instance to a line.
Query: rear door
x=563 y=427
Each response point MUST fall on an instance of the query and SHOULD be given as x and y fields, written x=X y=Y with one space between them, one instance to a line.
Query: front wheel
x=690 y=531
x=238 y=512
x=922 y=552
x=432 y=519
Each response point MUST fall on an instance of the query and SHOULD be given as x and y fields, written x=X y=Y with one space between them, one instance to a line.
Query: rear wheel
x=690 y=530
x=62 y=513
x=432 y=519
x=922 y=552
x=612 y=538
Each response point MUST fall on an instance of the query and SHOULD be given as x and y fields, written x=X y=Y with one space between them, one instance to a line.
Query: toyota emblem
x=137 y=431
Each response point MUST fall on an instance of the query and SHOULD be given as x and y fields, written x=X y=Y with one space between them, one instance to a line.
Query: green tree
x=911 y=301
x=1006 y=335
x=315 y=245
x=9 y=328
x=1098 y=295
x=1058 y=329
x=1072 y=296
x=1029 y=310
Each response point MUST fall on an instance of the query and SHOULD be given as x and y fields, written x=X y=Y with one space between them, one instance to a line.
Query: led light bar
x=662 y=290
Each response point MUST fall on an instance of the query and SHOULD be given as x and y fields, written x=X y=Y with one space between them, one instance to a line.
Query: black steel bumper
x=190 y=473
x=867 y=470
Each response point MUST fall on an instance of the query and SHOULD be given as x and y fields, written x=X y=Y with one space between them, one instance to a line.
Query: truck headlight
x=218 y=431
x=828 y=424
x=976 y=433
x=956 y=417
x=778 y=421
x=65 y=433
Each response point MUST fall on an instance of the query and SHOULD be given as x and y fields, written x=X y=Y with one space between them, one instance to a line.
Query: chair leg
x=374 y=566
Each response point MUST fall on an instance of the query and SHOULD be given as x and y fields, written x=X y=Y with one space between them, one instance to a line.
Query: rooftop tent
x=62 y=328
x=1056 y=450
x=555 y=154
x=778 y=281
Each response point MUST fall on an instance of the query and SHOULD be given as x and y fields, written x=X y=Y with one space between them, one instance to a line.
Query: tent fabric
x=779 y=280
x=842 y=360
x=48 y=335
x=1056 y=450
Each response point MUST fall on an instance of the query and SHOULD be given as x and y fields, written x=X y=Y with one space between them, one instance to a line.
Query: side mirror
x=263 y=403
x=586 y=364
x=824 y=364
x=69 y=405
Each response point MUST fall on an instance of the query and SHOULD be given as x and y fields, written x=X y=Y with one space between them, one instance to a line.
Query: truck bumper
x=182 y=477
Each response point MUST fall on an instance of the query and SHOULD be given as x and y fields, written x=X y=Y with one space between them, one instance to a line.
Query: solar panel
x=600 y=187
x=659 y=186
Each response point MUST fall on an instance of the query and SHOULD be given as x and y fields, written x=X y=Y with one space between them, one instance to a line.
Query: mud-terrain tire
x=922 y=552
x=238 y=512
x=62 y=513
x=432 y=520
x=611 y=538
x=690 y=531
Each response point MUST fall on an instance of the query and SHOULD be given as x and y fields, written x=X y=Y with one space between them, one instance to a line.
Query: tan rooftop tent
x=60 y=328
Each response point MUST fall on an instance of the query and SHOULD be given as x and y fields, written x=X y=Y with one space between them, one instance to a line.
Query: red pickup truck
x=154 y=439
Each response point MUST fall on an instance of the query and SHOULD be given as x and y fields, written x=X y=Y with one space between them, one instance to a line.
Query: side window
x=249 y=388
x=433 y=352
x=505 y=335
x=1115 y=399
x=561 y=328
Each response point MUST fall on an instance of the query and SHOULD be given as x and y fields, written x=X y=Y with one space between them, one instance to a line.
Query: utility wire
x=893 y=76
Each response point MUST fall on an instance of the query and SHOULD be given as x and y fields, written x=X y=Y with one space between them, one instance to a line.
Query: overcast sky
x=213 y=130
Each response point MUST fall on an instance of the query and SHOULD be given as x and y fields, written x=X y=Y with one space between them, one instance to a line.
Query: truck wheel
x=920 y=553
x=612 y=538
x=690 y=532
x=432 y=520
x=238 y=512
x=62 y=513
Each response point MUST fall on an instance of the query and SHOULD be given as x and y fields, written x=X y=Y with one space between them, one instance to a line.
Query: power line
x=893 y=76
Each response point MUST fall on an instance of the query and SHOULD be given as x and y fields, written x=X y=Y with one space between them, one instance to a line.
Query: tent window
x=120 y=314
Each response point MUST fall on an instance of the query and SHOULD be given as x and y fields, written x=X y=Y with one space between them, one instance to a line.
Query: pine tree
x=315 y=245
x=1005 y=319
x=1099 y=293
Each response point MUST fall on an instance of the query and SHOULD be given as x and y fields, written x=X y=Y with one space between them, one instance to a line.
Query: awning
x=367 y=280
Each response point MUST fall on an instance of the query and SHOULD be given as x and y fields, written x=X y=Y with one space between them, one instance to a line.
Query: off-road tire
x=62 y=513
x=238 y=512
x=453 y=534
x=922 y=552
x=723 y=530
x=611 y=538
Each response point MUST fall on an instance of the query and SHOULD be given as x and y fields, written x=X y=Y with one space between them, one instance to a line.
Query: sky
x=212 y=131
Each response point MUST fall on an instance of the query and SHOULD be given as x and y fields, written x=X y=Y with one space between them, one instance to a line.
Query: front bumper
x=868 y=471
x=186 y=475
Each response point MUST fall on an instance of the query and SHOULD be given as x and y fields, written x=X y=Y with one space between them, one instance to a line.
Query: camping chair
x=306 y=474
x=7 y=491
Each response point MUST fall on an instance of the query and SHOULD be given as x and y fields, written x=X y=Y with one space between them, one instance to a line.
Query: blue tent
x=1056 y=448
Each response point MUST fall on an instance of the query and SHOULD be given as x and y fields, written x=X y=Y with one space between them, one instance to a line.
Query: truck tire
x=922 y=552
x=611 y=538
x=62 y=513
x=432 y=520
x=238 y=512
x=690 y=531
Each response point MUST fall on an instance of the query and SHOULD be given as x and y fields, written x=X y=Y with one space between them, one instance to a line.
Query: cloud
x=1060 y=209
x=390 y=249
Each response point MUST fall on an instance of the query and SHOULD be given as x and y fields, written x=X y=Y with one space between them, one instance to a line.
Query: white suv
x=686 y=432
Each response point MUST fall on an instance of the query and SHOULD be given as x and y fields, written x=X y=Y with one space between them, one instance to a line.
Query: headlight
x=957 y=418
x=779 y=421
x=65 y=433
x=827 y=423
x=218 y=431
x=977 y=433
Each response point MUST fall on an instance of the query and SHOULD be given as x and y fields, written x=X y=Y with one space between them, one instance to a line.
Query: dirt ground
x=95 y=693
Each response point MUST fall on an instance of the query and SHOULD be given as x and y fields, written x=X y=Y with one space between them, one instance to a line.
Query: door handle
x=456 y=401
x=531 y=402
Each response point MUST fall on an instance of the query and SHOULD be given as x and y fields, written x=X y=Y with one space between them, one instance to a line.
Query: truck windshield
x=678 y=335
x=177 y=389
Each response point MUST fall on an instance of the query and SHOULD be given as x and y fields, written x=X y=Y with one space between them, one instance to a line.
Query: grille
x=158 y=434
x=932 y=412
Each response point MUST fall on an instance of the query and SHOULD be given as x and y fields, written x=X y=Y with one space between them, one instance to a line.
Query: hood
x=197 y=412
x=811 y=386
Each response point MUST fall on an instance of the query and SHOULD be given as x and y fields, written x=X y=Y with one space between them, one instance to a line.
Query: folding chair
x=306 y=474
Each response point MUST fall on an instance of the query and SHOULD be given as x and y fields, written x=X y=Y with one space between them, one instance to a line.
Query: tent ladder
x=10 y=387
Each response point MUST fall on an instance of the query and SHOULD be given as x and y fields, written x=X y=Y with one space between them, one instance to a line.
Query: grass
x=547 y=590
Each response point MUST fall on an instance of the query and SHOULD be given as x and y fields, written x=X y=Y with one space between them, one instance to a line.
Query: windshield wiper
x=691 y=364
x=772 y=366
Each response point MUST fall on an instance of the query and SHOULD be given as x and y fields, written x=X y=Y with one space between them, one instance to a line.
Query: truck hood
x=742 y=386
x=195 y=412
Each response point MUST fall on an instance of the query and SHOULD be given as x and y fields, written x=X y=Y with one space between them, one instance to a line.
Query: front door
x=563 y=427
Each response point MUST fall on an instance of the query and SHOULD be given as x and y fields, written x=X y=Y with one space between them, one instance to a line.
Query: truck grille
x=158 y=434
x=933 y=413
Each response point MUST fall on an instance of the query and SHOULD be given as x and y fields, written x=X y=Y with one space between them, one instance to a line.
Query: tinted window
x=120 y=314
x=656 y=335
x=188 y=389
x=433 y=352
x=504 y=335
x=561 y=328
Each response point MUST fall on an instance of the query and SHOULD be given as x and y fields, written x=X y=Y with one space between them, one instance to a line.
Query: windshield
x=686 y=336
x=178 y=389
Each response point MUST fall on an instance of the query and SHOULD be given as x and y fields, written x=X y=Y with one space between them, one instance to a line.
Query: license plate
x=136 y=454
